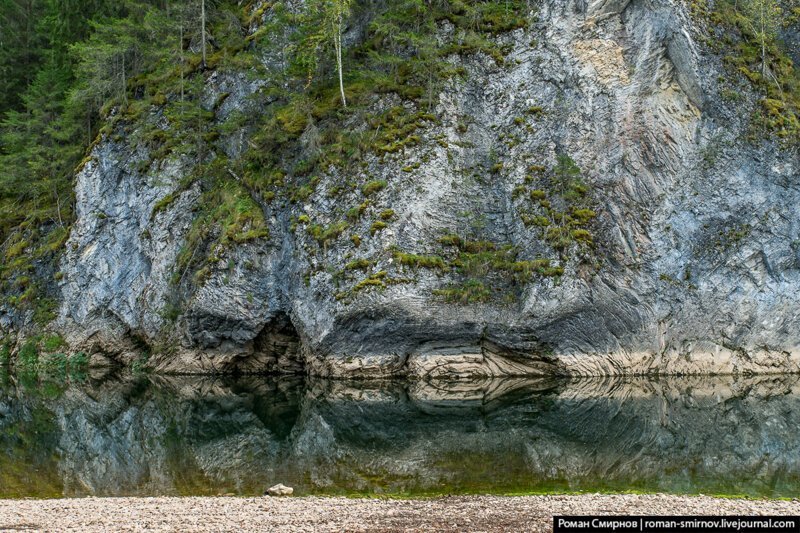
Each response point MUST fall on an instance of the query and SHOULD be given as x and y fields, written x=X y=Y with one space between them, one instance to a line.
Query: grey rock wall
x=694 y=267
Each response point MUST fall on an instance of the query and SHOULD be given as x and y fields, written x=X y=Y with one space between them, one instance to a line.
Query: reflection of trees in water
x=193 y=435
x=28 y=435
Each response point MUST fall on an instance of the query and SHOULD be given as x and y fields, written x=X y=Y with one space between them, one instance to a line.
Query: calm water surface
x=125 y=435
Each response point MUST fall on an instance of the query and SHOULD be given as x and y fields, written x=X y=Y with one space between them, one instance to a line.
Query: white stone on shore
x=280 y=490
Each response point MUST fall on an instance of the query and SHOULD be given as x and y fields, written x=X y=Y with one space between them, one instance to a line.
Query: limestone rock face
x=694 y=267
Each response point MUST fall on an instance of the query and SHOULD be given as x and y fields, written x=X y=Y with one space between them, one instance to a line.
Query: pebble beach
x=462 y=513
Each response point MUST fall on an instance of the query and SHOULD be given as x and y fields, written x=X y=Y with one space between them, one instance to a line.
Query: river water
x=144 y=435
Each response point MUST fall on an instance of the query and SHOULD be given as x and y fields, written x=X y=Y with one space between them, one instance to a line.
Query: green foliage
x=399 y=53
x=171 y=311
x=487 y=270
x=44 y=309
x=74 y=74
x=373 y=187
x=5 y=353
x=53 y=343
x=28 y=356
x=44 y=355
x=78 y=361
x=357 y=212
x=65 y=62
x=732 y=236
x=60 y=364
x=395 y=130
x=420 y=261
x=562 y=208
x=358 y=264
x=22 y=50
x=377 y=226
x=377 y=279
x=227 y=215
x=324 y=234
x=582 y=215
x=481 y=259
x=52 y=363
x=450 y=239
x=469 y=292
x=165 y=202
x=581 y=235
x=293 y=119
x=139 y=365
x=755 y=52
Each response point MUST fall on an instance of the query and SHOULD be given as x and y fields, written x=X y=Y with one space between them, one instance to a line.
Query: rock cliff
x=585 y=203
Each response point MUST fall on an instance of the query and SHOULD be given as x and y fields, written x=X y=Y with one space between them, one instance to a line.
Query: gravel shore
x=463 y=513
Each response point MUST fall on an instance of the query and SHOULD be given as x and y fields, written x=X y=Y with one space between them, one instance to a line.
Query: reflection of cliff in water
x=209 y=436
